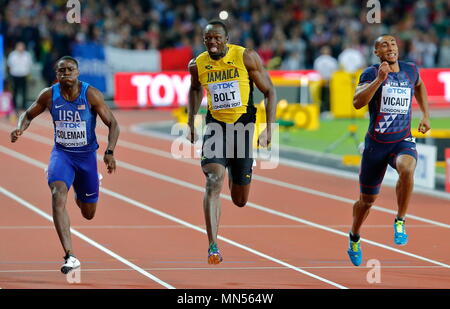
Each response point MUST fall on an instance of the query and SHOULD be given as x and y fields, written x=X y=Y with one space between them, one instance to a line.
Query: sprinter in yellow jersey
x=227 y=72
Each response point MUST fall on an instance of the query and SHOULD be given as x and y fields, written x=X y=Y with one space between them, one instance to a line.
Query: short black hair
x=66 y=58
x=216 y=22
x=377 y=40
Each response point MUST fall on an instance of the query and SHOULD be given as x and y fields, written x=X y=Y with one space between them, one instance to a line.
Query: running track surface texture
x=149 y=228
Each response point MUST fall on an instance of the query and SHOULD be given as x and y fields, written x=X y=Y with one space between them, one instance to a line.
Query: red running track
x=149 y=228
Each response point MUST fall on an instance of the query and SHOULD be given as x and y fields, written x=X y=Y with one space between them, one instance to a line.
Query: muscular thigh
x=60 y=168
x=402 y=148
x=86 y=183
x=374 y=162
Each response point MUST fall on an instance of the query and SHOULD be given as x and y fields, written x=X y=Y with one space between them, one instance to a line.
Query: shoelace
x=399 y=227
x=355 y=246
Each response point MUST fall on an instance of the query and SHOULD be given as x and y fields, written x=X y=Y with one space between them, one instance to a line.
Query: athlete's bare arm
x=195 y=97
x=42 y=102
x=95 y=98
x=262 y=80
x=420 y=93
x=364 y=93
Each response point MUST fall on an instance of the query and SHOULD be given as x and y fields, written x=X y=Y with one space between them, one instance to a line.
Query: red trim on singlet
x=386 y=142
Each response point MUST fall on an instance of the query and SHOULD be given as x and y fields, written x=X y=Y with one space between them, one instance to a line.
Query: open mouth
x=391 y=55
x=213 y=49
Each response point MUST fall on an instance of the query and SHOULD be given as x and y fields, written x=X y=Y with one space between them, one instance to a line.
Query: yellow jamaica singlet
x=227 y=83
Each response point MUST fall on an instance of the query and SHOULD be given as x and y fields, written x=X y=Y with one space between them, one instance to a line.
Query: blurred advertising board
x=170 y=88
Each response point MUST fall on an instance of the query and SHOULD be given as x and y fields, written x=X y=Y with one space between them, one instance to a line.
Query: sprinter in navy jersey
x=74 y=106
x=388 y=88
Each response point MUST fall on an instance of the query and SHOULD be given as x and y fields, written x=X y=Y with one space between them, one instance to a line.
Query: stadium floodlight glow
x=223 y=15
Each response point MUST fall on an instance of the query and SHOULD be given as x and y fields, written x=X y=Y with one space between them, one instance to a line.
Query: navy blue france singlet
x=390 y=107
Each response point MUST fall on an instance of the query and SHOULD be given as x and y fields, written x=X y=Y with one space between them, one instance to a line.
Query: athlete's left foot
x=70 y=263
x=214 y=256
x=400 y=237
x=354 y=252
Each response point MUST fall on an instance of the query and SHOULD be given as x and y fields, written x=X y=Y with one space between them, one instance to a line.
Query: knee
x=405 y=168
x=214 y=182
x=87 y=210
x=366 y=202
x=58 y=194
x=406 y=171
x=88 y=215
x=239 y=201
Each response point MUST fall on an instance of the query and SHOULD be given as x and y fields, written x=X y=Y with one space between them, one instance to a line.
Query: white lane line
x=342 y=199
x=280 y=183
x=169 y=217
x=194 y=227
x=294 y=187
x=144 y=171
x=219 y=268
x=185 y=184
x=225 y=226
x=137 y=130
x=85 y=238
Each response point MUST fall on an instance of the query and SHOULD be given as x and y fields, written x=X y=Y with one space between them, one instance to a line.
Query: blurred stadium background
x=136 y=52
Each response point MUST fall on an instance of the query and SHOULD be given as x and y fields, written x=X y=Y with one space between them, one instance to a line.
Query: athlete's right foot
x=214 y=256
x=70 y=263
x=354 y=252
x=400 y=236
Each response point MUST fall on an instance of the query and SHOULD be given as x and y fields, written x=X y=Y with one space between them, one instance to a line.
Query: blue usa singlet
x=74 y=121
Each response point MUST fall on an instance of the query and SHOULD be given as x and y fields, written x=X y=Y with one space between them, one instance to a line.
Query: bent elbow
x=358 y=103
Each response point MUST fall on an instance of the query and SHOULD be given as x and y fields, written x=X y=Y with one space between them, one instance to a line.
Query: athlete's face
x=215 y=41
x=387 y=49
x=67 y=72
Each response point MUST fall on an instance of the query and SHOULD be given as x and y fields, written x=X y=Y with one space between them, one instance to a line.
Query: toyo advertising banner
x=170 y=88
x=166 y=89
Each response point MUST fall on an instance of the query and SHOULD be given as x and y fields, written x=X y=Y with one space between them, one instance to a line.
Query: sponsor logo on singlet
x=70 y=130
x=395 y=100
x=225 y=95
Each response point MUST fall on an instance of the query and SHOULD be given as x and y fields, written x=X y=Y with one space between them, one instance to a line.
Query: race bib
x=225 y=95
x=70 y=133
x=395 y=100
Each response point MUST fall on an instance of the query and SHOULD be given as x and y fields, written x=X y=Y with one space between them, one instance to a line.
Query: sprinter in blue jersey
x=74 y=106
x=388 y=88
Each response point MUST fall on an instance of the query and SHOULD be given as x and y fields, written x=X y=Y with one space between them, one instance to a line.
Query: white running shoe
x=70 y=263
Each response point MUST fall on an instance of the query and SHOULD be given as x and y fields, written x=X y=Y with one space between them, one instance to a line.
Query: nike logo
x=58 y=106
x=91 y=194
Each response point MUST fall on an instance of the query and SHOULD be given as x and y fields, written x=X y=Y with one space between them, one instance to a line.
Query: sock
x=354 y=238
x=399 y=219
